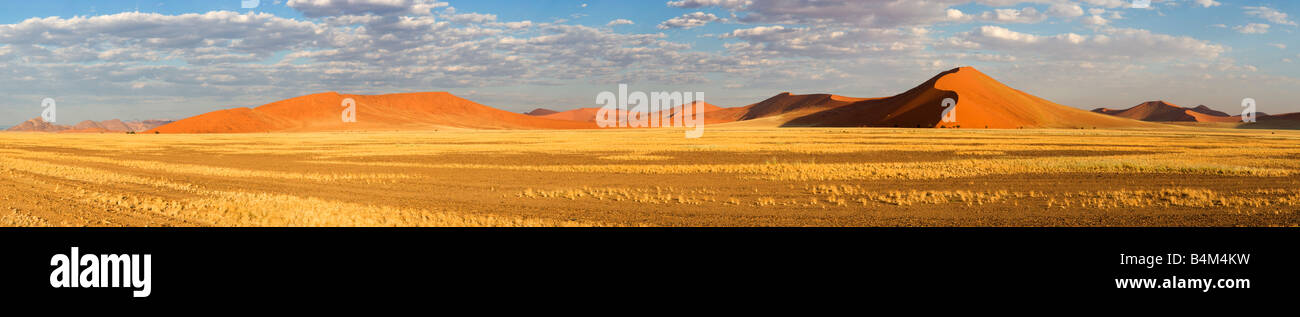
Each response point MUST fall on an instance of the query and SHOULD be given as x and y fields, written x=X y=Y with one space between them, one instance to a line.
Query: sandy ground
x=731 y=177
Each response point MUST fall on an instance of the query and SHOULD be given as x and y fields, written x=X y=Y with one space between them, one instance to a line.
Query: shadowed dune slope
x=981 y=102
x=392 y=112
x=1207 y=110
x=1288 y=121
x=787 y=103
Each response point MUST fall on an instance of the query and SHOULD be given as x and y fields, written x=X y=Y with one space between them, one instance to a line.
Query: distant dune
x=1294 y=116
x=322 y=112
x=1161 y=111
x=540 y=112
x=1206 y=110
x=1289 y=121
x=580 y=114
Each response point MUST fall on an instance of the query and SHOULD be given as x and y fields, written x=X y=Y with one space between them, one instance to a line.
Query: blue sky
x=174 y=59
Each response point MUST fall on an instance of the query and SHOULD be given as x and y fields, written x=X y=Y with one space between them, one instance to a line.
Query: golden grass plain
x=655 y=177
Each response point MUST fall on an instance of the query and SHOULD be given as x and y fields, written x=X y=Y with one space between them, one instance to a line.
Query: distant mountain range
x=115 y=125
x=1161 y=111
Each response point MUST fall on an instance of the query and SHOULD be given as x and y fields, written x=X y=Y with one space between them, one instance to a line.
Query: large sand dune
x=982 y=102
x=322 y=112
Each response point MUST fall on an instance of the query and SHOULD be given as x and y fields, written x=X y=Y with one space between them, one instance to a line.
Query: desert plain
x=733 y=176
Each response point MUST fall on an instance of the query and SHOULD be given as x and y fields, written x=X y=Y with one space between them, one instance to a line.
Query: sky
x=174 y=59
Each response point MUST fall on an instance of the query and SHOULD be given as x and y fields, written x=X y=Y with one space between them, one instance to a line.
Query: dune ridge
x=390 y=112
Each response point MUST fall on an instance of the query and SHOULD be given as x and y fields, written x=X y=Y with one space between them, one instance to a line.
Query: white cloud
x=1094 y=20
x=620 y=22
x=823 y=42
x=470 y=17
x=689 y=21
x=1270 y=14
x=729 y=4
x=321 y=8
x=1109 y=3
x=1065 y=10
x=1026 y=15
x=1252 y=28
x=891 y=13
x=1208 y=3
x=1111 y=44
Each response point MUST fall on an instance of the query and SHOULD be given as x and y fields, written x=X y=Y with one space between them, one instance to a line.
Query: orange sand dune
x=322 y=112
x=1161 y=111
x=982 y=102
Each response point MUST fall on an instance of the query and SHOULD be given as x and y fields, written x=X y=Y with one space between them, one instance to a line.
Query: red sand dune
x=982 y=102
x=1161 y=111
x=322 y=112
